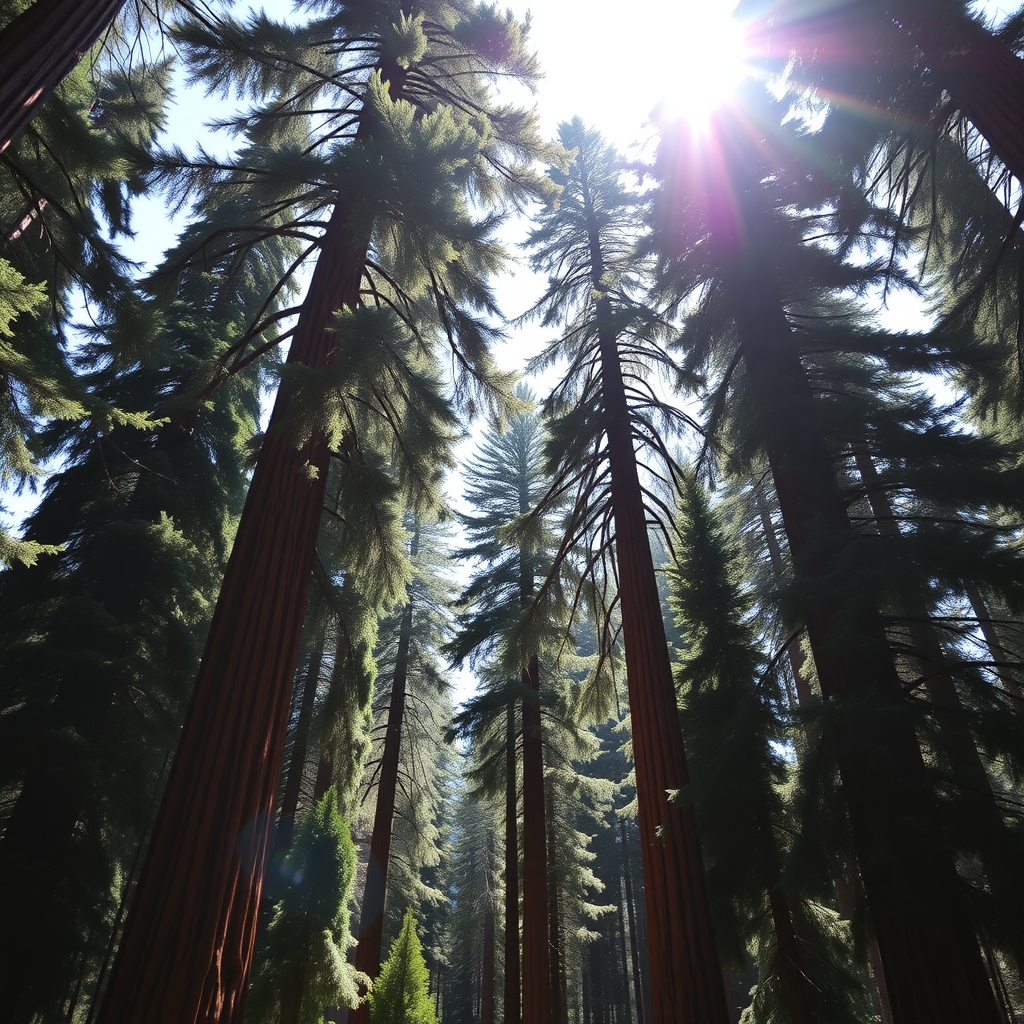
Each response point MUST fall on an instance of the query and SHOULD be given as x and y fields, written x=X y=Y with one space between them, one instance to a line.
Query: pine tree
x=101 y=642
x=400 y=995
x=599 y=412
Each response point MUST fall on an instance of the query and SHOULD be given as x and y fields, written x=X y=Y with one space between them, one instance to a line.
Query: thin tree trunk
x=620 y=921
x=797 y=661
x=559 y=996
x=187 y=948
x=300 y=743
x=371 y=918
x=512 y=1004
x=37 y=51
x=537 y=1008
x=1004 y=666
x=685 y=972
x=634 y=942
x=487 y=969
x=933 y=966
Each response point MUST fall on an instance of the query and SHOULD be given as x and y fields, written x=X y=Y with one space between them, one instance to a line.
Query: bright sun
x=701 y=58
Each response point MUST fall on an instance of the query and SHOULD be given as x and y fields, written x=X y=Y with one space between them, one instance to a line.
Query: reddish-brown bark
x=187 y=946
x=537 y=1007
x=38 y=49
x=933 y=967
x=512 y=1004
x=371 y=918
x=685 y=973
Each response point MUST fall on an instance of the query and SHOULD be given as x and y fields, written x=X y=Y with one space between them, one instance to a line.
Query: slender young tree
x=505 y=482
x=410 y=707
x=401 y=995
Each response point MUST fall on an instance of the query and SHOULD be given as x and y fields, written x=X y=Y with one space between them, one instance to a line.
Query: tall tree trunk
x=559 y=995
x=300 y=744
x=537 y=1008
x=487 y=967
x=187 y=947
x=38 y=49
x=371 y=918
x=512 y=1004
x=985 y=79
x=933 y=965
x=634 y=943
x=685 y=972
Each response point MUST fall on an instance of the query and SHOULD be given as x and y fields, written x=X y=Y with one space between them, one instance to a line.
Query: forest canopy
x=507 y=558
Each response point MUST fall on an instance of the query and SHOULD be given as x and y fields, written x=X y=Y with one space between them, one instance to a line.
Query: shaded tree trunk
x=512 y=1004
x=300 y=744
x=1004 y=664
x=1000 y=857
x=537 y=1008
x=187 y=947
x=933 y=966
x=634 y=944
x=371 y=919
x=38 y=49
x=487 y=968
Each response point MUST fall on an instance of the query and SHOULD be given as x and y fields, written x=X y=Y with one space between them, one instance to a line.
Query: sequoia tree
x=400 y=258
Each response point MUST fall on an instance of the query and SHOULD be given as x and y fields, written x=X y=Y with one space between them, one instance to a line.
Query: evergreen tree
x=735 y=736
x=400 y=995
x=412 y=712
x=405 y=262
x=101 y=642
x=304 y=967
x=750 y=304
x=600 y=411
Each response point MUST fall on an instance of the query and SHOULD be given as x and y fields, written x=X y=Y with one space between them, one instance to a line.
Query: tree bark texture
x=371 y=918
x=933 y=965
x=512 y=1004
x=685 y=973
x=38 y=49
x=187 y=947
x=537 y=1008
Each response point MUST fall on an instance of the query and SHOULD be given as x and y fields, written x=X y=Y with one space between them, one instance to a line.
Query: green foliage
x=304 y=966
x=400 y=995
